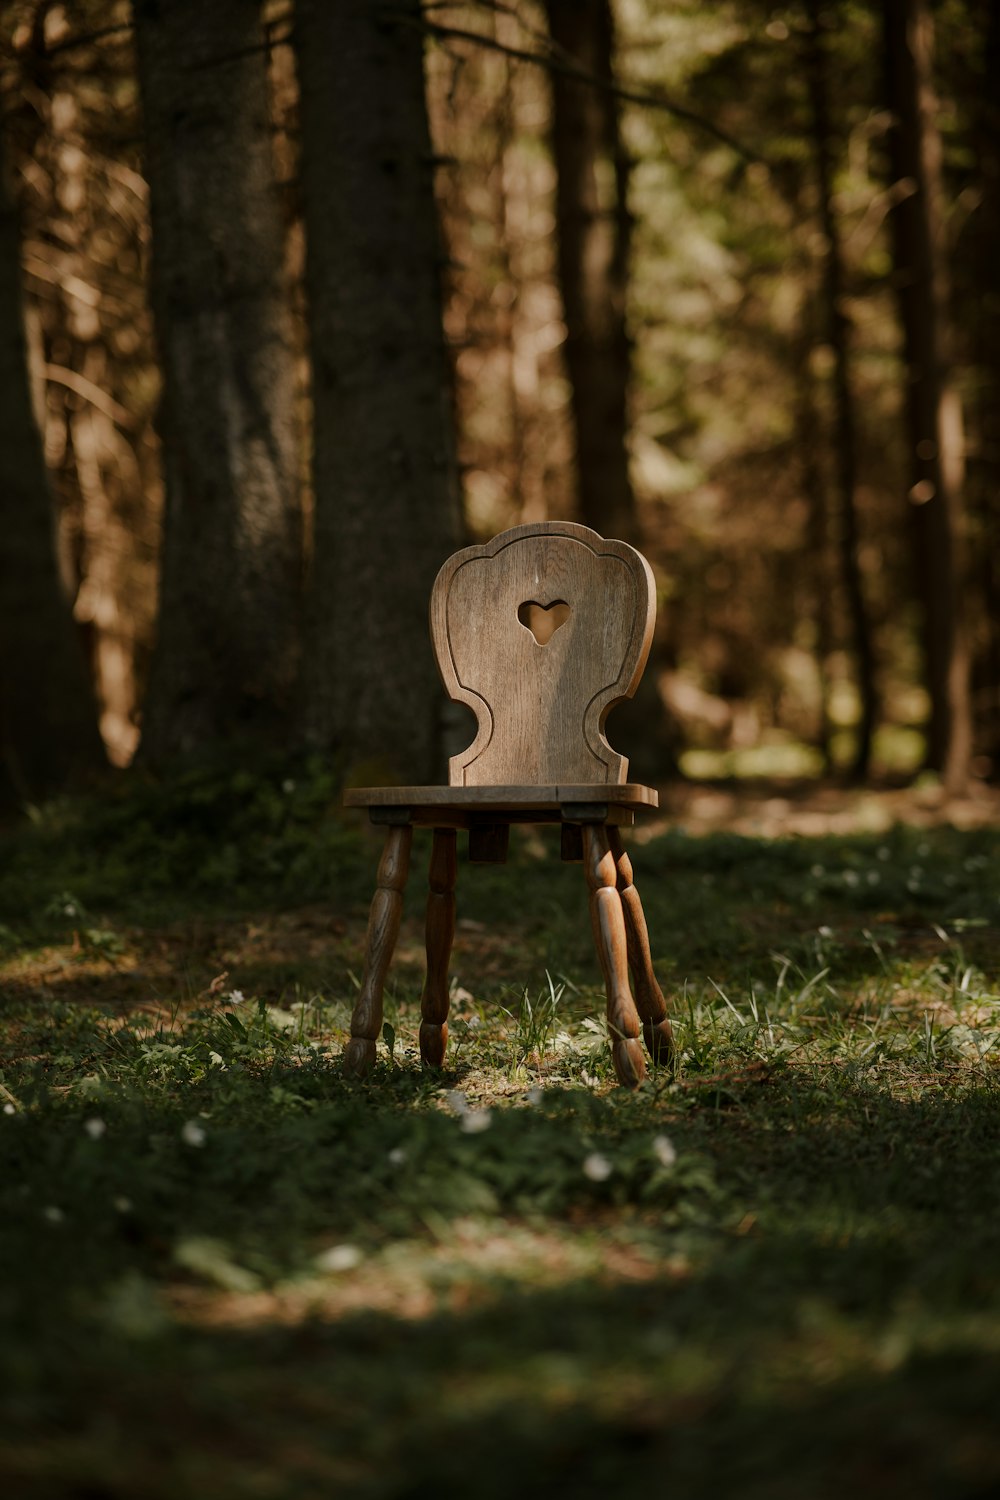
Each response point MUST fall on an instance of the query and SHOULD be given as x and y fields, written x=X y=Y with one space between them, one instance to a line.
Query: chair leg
x=608 y=920
x=440 y=933
x=383 y=930
x=649 y=1001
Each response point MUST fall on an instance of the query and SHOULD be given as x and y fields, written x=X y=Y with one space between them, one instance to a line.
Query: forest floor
x=226 y=1270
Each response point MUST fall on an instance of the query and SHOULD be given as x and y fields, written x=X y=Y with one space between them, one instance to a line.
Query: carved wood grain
x=380 y=942
x=649 y=1001
x=608 y=921
x=540 y=709
x=440 y=935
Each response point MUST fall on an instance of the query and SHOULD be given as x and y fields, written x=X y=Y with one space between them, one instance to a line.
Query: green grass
x=225 y=1270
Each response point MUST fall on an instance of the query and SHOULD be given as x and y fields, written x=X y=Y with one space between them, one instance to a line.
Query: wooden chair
x=541 y=632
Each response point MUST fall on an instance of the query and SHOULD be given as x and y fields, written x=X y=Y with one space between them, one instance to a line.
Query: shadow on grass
x=816 y=1304
x=821 y=1306
x=581 y=1391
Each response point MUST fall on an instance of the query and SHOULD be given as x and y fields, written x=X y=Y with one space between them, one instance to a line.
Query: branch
x=69 y=43
x=553 y=63
x=81 y=386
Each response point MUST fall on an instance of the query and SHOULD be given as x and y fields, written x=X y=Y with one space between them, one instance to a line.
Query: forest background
x=294 y=302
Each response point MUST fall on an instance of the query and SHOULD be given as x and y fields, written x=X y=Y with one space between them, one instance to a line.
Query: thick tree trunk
x=231 y=572
x=845 y=438
x=593 y=233
x=384 y=474
x=48 y=719
x=933 y=413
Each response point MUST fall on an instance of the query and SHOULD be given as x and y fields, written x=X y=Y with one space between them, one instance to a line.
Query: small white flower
x=589 y=1080
x=884 y=853
x=457 y=1101
x=474 y=1121
x=193 y=1134
x=851 y=877
x=236 y=997
x=873 y=877
x=9 y=1109
x=288 y=787
x=597 y=1167
x=70 y=910
x=397 y=1155
x=826 y=932
x=122 y=1205
x=339 y=1258
x=54 y=1215
x=817 y=872
x=95 y=1128
x=664 y=1150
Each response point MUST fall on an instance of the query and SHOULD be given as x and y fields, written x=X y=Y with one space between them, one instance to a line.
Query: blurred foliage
x=732 y=417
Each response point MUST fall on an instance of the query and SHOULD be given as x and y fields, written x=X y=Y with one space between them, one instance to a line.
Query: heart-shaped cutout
x=543 y=620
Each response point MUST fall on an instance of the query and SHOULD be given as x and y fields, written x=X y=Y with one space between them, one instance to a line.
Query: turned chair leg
x=440 y=934
x=383 y=930
x=608 y=921
x=649 y=1001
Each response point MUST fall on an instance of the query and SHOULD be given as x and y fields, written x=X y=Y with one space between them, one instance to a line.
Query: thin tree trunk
x=224 y=662
x=984 y=481
x=384 y=473
x=594 y=231
x=48 y=719
x=593 y=235
x=845 y=443
x=933 y=413
x=809 y=444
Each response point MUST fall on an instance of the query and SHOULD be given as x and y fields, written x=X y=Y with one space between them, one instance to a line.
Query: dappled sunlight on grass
x=513 y=1265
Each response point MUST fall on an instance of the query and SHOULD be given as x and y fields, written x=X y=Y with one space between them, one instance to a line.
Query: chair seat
x=456 y=805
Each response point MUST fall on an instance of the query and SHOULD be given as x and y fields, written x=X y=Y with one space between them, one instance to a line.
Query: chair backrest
x=541 y=632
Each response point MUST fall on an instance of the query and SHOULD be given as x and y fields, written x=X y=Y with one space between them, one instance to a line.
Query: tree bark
x=594 y=233
x=386 y=513
x=224 y=661
x=594 y=237
x=48 y=719
x=984 y=339
x=933 y=413
x=845 y=435
x=809 y=446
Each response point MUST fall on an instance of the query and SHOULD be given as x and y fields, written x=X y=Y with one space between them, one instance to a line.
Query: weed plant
x=227 y=1270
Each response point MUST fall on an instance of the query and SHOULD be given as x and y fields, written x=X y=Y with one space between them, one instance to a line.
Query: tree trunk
x=845 y=439
x=48 y=720
x=594 y=234
x=984 y=339
x=933 y=413
x=593 y=239
x=224 y=661
x=809 y=446
x=385 y=485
